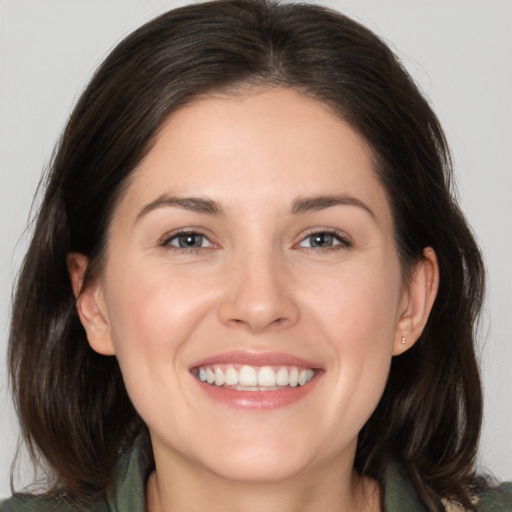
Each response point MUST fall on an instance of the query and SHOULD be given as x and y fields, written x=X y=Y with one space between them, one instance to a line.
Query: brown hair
x=72 y=403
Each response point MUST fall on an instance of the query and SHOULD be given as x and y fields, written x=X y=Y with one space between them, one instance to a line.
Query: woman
x=251 y=287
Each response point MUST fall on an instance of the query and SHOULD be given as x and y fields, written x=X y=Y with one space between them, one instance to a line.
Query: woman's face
x=253 y=242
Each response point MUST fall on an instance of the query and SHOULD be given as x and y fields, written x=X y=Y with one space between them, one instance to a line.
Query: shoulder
x=126 y=495
x=401 y=495
x=30 y=503
x=497 y=499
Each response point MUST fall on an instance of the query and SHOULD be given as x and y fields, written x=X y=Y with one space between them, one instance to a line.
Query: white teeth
x=247 y=376
x=250 y=378
x=282 y=378
x=219 y=377
x=294 y=377
x=302 y=378
x=210 y=376
x=266 y=377
x=231 y=376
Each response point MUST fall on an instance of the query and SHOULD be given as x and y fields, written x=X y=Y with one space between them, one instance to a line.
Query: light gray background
x=460 y=51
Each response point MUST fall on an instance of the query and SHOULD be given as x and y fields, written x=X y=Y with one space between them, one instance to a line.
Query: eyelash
x=166 y=242
x=343 y=241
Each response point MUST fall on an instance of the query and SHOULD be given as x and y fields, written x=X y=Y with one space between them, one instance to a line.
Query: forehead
x=262 y=146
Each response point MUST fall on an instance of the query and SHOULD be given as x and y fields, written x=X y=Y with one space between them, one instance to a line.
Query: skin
x=255 y=285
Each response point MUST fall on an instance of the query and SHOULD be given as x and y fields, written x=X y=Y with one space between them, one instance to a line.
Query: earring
x=403 y=340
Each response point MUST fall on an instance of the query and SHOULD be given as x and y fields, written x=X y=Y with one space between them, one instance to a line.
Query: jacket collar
x=132 y=471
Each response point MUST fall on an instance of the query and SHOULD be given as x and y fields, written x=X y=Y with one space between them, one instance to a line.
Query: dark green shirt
x=133 y=469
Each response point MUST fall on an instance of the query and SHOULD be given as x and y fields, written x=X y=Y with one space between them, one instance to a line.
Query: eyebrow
x=208 y=206
x=193 y=204
x=315 y=203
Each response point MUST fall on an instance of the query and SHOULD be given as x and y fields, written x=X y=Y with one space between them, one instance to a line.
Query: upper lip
x=256 y=359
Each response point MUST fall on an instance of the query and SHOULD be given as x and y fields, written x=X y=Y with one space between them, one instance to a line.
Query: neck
x=321 y=490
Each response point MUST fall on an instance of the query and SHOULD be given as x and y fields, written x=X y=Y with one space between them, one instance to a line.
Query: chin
x=258 y=466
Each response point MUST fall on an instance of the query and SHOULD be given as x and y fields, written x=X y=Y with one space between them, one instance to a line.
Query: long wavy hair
x=73 y=407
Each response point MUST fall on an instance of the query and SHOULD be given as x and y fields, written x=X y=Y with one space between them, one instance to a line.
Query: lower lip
x=259 y=400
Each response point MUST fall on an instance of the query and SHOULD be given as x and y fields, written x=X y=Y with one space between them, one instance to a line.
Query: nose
x=259 y=294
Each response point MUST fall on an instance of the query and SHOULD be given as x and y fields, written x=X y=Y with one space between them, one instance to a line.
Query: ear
x=90 y=305
x=418 y=298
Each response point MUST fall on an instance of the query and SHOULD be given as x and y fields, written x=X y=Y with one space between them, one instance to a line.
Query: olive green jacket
x=131 y=473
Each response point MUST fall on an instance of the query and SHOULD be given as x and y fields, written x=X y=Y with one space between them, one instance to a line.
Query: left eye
x=323 y=240
x=188 y=241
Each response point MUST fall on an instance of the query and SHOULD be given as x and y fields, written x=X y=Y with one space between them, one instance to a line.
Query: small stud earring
x=403 y=340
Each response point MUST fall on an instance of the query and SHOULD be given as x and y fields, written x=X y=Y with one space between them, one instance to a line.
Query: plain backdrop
x=459 y=51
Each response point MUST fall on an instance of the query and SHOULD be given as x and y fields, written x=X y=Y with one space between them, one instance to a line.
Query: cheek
x=150 y=306
x=151 y=316
x=357 y=314
x=359 y=306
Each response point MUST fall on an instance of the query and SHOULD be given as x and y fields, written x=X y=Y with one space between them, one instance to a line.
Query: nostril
x=253 y=309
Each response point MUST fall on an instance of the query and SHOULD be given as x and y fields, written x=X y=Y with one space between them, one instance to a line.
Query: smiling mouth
x=254 y=378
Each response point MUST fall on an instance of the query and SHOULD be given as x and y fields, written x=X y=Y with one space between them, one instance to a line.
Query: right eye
x=325 y=240
x=187 y=240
